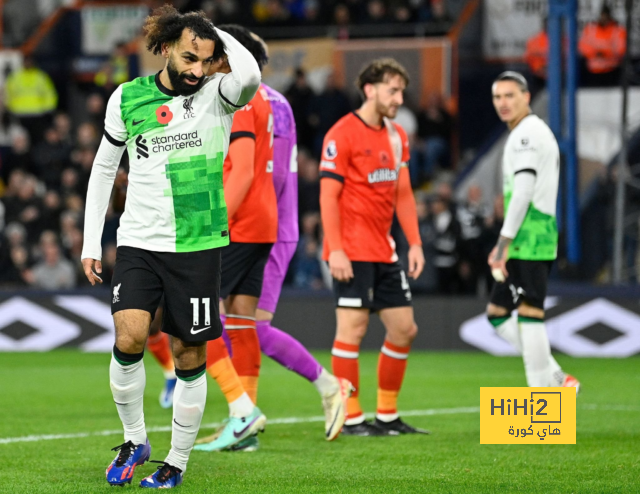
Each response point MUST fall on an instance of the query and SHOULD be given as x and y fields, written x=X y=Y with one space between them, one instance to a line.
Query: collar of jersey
x=372 y=128
x=164 y=89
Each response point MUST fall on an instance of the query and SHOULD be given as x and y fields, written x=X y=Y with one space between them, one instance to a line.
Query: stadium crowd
x=46 y=157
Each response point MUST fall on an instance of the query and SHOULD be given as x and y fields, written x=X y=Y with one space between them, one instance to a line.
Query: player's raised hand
x=340 y=266
x=88 y=265
x=416 y=261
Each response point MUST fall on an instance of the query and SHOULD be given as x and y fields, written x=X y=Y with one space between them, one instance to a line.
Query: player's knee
x=412 y=332
x=496 y=311
x=130 y=343
x=527 y=310
x=353 y=334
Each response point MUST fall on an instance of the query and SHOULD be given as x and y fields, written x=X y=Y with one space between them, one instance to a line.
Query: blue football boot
x=166 y=477
x=166 y=396
x=121 y=470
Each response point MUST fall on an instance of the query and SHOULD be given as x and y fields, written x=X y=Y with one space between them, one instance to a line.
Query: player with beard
x=176 y=127
x=364 y=180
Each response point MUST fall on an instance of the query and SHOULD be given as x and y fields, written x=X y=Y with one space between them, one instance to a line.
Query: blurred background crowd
x=48 y=140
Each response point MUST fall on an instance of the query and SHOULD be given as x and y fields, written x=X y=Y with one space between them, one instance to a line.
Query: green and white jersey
x=532 y=147
x=177 y=146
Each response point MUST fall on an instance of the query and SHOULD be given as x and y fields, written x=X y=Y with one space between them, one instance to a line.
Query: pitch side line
x=214 y=425
x=295 y=420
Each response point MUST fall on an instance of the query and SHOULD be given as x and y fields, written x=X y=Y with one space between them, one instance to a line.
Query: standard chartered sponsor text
x=177 y=141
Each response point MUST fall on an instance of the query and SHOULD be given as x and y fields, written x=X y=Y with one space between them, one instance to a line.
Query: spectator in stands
x=114 y=72
x=308 y=184
x=446 y=245
x=325 y=109
x=439 y=11
x=342 y=20
x=19 y=156
x=31 y=97
x=53 y=272
x=434 y=133
x=50 y=156
x=376 y=12
x=51 y=211
x=307 y=263
x=87 y=136
x=471 y=216
x=62 y=123
x=95 y=108
x=25 y=207
x=9 y=127
x=603 y=45
x=14 y=266
x=536 y=55
x=299 y=95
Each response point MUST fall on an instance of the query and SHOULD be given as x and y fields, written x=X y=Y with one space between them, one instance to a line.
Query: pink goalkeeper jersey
x=285 y=166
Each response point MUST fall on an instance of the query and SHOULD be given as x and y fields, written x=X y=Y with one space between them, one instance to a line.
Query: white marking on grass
x=213 y=425
x=296 y=420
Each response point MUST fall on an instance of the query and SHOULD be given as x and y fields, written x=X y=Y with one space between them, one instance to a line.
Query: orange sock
x=344 y=362
x=220 y=368
x=158 y=345
x=391 y=367
x=246 y=351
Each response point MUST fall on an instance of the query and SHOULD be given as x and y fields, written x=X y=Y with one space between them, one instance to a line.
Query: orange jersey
x=256 y=220
x=361 y=157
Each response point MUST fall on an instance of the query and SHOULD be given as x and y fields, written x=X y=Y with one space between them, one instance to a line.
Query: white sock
x=557 y=374
x=241 y=407
x=510 y=332
x=127 y=385
x=189 y=399
x=326 y=384
x=536 y=352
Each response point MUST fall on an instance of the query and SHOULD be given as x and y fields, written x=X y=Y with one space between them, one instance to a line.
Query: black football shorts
x=374 y=286
x=243 y=268
x=527 y=282
x=189 y=281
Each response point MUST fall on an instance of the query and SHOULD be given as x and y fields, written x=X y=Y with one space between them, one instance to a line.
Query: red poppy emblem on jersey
x=164 y=115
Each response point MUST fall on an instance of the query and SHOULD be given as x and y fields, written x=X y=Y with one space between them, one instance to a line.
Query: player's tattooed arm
x=498 y=259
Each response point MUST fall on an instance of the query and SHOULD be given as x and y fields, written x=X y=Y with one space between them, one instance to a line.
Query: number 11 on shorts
x=195 y=302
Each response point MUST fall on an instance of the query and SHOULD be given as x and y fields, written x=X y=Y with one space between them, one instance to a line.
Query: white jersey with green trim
x=532 y=147
x=177 y=146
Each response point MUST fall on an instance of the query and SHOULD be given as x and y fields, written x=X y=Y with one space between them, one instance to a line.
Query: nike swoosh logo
x=136 y=122
x=238 y=434
x=185 y=426
x=200 y=330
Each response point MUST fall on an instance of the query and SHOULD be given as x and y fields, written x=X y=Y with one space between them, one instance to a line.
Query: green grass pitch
x=67 y=393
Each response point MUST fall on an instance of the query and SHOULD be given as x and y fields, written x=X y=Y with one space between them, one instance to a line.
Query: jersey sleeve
x=527 y=150
x=238 y=87
x=244 y=123
x=114 y=128
x=335 y=156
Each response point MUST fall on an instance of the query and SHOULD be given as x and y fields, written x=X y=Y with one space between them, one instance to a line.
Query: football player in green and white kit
x=175 y=126
x=528 y=242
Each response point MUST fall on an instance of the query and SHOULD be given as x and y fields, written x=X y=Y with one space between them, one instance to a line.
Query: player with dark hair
x=364 y=180
x=528 y=243
x=273 y=342
x=175 y=126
